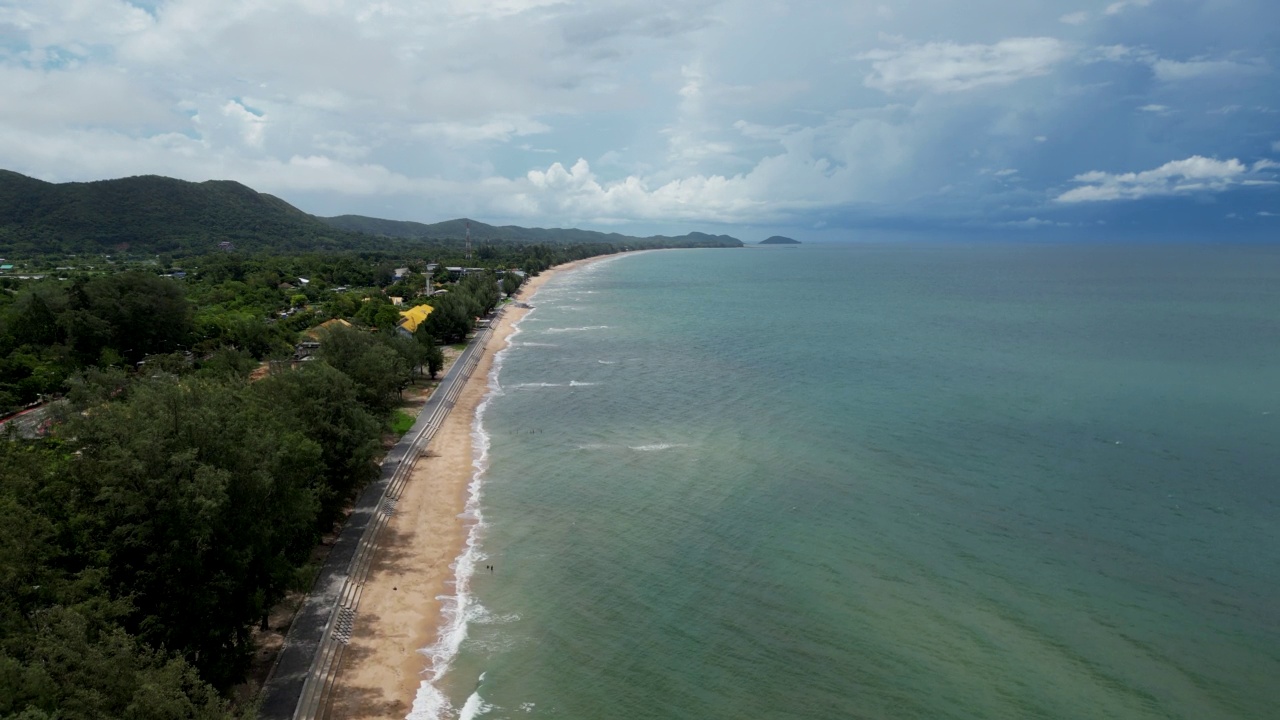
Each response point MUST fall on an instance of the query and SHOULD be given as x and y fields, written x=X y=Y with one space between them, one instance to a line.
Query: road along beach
x=400 y=610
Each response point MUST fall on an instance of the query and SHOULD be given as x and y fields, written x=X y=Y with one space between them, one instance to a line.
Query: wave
x=457 y=611
x=537 y=344
x=657 y=446
x=571 y=383
x=607 y=362
x=638 y=448
x=578 y=329
x=474 y=707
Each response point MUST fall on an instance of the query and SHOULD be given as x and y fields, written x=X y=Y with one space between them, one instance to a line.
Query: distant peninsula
x=779 y=240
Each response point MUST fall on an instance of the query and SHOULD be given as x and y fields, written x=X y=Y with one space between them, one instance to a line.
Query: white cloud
x=949 y=67
x=1275 y=146
x=688 y=109
x=1118 y=7
x=253 y=126
x=1192 y=175
x=1264 y=213
x=1172 y=71
x=1175 y=71
x=499 y=129
x=1033 y=223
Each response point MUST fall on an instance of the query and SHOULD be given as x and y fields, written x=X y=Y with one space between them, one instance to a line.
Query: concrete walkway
x=303 y=674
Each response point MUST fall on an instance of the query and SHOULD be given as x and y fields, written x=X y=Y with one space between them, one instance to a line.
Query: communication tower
x=468 y=242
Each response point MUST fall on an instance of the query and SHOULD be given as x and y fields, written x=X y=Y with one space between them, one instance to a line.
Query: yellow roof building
x=414 y=316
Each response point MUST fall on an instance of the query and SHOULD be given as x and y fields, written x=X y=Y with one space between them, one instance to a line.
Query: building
x=412 y=318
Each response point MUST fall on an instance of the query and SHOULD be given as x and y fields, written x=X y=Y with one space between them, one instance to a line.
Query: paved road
x=303 y=671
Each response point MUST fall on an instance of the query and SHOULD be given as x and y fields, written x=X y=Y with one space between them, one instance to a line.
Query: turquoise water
x=881 y=481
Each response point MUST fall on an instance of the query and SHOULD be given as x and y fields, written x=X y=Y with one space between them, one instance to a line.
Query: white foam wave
x=474 y=707
x=457 y=611
x=578 y=329
x=607 y=362
x=536 y=344
x=657 y=446
x=575 y=383
x=571 y=383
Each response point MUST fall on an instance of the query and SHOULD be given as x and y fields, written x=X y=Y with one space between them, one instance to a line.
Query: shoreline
x=413 y=574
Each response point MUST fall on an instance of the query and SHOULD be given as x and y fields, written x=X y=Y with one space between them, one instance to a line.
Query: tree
x=322 y=403
x=434 y=355
x=377 y=370
x=451 y=319
x=203 y=502
x=510 y=283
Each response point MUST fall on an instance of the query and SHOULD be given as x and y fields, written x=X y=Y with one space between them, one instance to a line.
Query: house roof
x=326 y=325
x=414 y=316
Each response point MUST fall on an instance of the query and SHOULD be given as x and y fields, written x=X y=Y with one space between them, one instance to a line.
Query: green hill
x=482 y=232
x=779 y=240
x=152 y=214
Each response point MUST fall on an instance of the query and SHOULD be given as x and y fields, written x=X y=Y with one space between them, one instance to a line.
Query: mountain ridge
x=156 y=214
x=481 y=231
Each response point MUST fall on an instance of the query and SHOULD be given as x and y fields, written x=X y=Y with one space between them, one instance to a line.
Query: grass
x=401 y=421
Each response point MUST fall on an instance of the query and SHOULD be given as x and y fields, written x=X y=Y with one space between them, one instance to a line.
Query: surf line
x=457 y=611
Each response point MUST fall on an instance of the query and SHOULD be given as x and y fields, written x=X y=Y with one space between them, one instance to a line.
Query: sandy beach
x=399 y=614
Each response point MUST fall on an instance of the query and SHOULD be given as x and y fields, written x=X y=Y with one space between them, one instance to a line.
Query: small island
x=779 y=240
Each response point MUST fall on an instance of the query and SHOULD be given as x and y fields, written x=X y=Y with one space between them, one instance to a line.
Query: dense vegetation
x=176 y=504
x=198 y=453
x=154 y=214
x=511 y=233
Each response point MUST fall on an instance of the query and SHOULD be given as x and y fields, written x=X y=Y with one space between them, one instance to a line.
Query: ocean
x=879 y=480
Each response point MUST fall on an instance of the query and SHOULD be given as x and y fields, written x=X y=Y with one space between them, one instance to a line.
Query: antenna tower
x=468 y=241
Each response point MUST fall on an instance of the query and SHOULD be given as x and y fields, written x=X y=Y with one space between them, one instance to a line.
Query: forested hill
x=152 y=214
x=482 y=232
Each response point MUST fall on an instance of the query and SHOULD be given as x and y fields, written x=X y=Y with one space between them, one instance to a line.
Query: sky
x=1020 y=118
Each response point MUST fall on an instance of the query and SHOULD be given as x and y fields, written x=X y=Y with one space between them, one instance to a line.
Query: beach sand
x=399 y=614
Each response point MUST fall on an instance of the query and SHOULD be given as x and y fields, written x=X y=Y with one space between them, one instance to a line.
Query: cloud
x=1180 y=177
x=1033 y=223
x=499 y=129
x=1175 y=71
x=253 y=125
x=1264 y=213
x=950 y=67
x=689 y=110
x=1118 y=7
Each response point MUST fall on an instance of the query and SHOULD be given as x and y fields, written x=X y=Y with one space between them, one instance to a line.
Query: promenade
x=303 y=674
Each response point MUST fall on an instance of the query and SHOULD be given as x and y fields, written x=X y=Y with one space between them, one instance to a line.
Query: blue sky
x=1015 y=118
